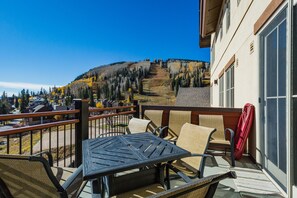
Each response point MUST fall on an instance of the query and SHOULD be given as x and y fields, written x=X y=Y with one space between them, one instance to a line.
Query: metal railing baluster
x=40 y=140
x=70 y=143
x=50 y=139
x=64 y=145
x=20 y=144
x=31 y=142
x=57 y=145
x=7 y=144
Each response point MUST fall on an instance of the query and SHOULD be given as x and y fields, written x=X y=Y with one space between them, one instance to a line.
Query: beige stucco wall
x=237 y=42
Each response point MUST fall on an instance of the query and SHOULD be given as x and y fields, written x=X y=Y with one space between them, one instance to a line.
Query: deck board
x=250 y=182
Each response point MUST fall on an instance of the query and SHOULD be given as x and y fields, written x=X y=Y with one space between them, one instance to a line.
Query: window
x=227 y=15
x=221 y=91
x=230 y=87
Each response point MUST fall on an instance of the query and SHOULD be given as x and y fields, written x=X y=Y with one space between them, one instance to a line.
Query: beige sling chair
x=219 y=138
x=34 y=176
x=204 y=187
x=176 y=120
x=156 y=117
x=195 y=139
x=137 y=125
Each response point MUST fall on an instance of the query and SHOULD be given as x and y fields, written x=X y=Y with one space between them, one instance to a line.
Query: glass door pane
x=275 y=140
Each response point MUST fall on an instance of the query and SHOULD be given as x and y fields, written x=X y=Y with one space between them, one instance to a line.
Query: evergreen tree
x=27 y=97
x=173 y=83
x=98 y=91
x=91 y=97
x=16 y=104
x=140 y=87
x=177 y=85
x=118 y=93
x=23 y=101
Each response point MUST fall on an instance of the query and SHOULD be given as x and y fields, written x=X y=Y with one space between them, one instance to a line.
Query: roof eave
x=209 y=16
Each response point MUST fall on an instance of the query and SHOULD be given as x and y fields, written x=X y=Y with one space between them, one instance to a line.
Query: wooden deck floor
x=250 y=182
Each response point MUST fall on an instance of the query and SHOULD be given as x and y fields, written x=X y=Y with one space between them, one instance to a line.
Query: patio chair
x=204 y=187
x=195 y=139
x=219 y=138
x=137 y=125
x=34 y=176
x=176 y=120
x=156 y=117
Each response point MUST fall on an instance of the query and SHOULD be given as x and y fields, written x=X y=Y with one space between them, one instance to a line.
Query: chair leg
x=232 y=154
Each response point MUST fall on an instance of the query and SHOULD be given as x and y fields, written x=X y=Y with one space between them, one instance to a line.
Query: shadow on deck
x=250 y=182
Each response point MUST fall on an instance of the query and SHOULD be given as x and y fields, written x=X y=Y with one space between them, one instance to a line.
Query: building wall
x=238 y=41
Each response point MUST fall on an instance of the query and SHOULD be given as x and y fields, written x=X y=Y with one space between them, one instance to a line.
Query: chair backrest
x=176 y=120
x=137 y=125
x=195 y=139
x=26 y=176
x=155 y=116
x=214 y=121
x=204 y=187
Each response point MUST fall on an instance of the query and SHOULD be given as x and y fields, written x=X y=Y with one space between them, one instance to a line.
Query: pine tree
x=98 y=91
x=23 y=100
x=91 y=97
x=140 y=87
x=16 y=104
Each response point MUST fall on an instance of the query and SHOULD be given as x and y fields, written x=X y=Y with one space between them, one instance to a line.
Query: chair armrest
x=111 y=133
x=200 y=155
x=74 y=183
x=48 y=154
x=179 y=173
x=156 y=129
x=172 y=141
x=161 y=129
x=231 y=133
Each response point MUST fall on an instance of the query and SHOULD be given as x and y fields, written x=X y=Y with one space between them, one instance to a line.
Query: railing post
x=81 y=128
x=136 y=114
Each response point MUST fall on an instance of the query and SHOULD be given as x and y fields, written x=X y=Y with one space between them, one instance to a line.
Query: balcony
x=62 y=132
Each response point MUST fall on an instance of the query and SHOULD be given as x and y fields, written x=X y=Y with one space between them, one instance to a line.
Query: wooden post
x=136 y=114
x=81 y=128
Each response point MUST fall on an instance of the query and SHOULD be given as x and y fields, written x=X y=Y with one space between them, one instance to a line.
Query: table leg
x=96 y=185
x=167 y=177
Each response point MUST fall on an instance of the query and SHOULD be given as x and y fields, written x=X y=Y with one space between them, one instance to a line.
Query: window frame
x=221 y=91
x=230 y=86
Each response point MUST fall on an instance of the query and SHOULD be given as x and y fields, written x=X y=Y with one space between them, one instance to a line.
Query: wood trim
x=39 y=114
x=221 y=73
x=230 y=115
x=37 y=127
x=268 y=12
x=110 y=108
x=110 y=115
x=227 y=66
x=230 y=62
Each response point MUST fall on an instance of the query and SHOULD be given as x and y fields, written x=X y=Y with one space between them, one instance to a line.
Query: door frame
x=268 y=28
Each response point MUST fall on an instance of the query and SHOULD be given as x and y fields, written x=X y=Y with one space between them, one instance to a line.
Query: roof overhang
x=209 y=16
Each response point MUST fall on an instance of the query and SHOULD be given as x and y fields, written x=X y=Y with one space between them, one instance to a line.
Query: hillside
x=157 y=87
x=154 y=82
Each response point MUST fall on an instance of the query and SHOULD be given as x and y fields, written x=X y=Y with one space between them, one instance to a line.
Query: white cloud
x=11 y=88
x=22 y=85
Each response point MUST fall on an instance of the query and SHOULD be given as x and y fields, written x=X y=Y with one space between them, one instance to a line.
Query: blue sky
x=51 y=42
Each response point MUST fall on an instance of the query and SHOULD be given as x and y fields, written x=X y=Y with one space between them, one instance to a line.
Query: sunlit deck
x=250 y=182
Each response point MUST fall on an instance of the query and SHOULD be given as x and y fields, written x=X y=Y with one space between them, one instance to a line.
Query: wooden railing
x=61 y=132
x=230 y=115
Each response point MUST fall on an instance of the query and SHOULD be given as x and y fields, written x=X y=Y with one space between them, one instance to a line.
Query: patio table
x=110 y=155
